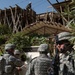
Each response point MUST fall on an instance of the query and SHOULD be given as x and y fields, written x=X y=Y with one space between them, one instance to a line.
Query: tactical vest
x=42 y=65
x=7 y=64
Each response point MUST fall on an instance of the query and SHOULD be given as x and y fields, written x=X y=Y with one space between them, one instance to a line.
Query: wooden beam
x=57 y=1
x=5 y=8
x=18 y=6
x=10 y=6
x=58 y=12
x=0 y=9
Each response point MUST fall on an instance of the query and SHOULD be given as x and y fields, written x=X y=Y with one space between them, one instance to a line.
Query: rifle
x=56 y=59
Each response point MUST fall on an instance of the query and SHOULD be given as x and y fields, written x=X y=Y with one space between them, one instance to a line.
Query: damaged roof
x=45 y=28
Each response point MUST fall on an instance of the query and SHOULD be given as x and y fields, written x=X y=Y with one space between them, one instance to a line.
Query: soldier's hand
x=18 y=68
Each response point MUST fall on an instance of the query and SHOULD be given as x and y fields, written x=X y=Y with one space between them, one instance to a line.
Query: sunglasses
x=63 y=42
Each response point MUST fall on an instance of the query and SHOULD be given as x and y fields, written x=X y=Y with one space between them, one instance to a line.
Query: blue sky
x=40 y=6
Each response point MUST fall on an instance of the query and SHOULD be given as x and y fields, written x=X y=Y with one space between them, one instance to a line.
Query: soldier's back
x=10 y=64
x=42 y=65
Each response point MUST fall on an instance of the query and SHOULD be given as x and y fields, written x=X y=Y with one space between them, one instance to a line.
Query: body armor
x=42 y=65
x=8 y=64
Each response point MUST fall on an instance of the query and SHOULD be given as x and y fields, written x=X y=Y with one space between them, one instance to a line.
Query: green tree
x=71 y=23
x=4 y=29
x=20 y=40
x=5 y=33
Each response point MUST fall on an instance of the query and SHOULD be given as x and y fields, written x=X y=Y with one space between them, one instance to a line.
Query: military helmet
x=16 y=52
x=43 y=48
x=9 y=46
x=64 y=36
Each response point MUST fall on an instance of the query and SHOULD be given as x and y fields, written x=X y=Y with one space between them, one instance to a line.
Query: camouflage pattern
x=66 y=64
x=41 y=65
x=16 y=52
x=65 y=53
x=1 y=64
x=9 y=66
x=9 y=46
x=64 y=36
x=73 y=54
x=9 y=63
x=43 y=48
x=19 y=63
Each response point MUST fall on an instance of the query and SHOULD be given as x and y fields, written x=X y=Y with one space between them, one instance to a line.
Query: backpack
x=43 y=65
x=2 y=61
x=5 y=66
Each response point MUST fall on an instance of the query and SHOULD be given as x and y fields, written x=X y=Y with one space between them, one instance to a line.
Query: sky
x=39 y=6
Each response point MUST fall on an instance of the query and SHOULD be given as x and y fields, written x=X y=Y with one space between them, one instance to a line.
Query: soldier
x=8 y=66
x=20 y=66
x=41 y=65
x=23 y=68
x=65 y=50
x=17 y=55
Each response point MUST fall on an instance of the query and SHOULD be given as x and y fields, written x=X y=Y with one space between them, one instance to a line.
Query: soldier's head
x=17 y=53
x=63 y=43
x=43 y=48
x=64 y=36
x=9 y=48
x=23 y=58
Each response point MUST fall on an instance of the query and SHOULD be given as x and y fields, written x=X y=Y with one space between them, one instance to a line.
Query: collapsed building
x=28 y=21
x=18 y=18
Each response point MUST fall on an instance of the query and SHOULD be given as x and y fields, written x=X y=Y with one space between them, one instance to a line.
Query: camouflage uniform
x=66 y=65
x=9 y=63
x=19 y=63
x=74 y=62
x=41 y=65
x=66 y=61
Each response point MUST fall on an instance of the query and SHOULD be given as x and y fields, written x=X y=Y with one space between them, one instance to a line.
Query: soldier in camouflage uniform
x=9 y=65
x=17 y=55
x=41 y=65
x=66 y=61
